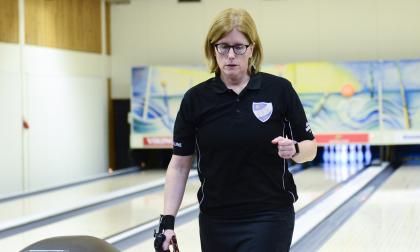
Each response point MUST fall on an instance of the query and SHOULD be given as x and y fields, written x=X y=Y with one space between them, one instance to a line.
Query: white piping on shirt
x=199 y=156
x=199 y=170
x=291 y=131
x=284 y=164
x=202 y=191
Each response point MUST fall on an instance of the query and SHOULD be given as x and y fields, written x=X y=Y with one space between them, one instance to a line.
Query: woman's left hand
x=285 y=146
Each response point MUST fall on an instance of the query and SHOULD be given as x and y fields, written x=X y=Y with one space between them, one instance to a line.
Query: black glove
x=165 y=222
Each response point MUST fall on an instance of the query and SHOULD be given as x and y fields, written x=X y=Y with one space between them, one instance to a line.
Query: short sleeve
x=184 y=129
x=298 y=125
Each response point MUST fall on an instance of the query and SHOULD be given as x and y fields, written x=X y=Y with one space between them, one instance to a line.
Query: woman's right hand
x=169 y=233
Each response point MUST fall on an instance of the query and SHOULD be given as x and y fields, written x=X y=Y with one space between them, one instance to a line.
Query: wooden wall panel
x=67 y=24
x=9 y=21
x=108 y=27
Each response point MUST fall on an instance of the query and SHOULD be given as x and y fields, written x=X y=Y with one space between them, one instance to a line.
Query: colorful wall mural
x=368 y=101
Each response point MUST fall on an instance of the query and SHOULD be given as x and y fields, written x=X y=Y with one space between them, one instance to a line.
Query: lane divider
x=7 y=227
x=148 y=227
x=70 y=184
x=324 y=208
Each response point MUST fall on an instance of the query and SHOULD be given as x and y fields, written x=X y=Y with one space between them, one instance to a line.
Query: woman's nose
x=231 y=53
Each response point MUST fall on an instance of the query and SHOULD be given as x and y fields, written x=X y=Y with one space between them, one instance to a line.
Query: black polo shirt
x=239 y=168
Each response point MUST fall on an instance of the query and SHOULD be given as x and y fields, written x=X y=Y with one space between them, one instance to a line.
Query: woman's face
x=232 y=54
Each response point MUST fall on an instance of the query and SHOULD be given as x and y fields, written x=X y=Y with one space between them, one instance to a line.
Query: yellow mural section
x=317 y=77
x=320 y=77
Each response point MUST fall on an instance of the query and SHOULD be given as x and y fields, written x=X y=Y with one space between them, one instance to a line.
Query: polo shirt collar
x=254 y=83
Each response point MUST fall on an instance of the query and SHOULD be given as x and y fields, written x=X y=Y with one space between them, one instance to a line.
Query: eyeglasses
x=225 y=48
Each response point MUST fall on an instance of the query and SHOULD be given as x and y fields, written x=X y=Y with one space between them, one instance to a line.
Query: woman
x=244 y=125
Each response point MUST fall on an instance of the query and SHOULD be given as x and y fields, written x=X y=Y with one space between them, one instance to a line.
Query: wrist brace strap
x=166 y=222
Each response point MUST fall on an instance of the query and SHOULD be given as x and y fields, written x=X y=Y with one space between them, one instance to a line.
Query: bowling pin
x=352 y=154
x=326 y=154
x=344 y=154
x=337 y=154
x=368 y=154
x=359 y=153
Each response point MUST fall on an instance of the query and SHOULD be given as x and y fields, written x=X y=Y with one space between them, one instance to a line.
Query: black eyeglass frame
x=231 y=47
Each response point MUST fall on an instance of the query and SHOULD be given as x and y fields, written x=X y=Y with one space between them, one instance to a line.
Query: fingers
x=167 y=242
x=277 y=139
x=285 y=146
x=282 y=141
x=285 y=155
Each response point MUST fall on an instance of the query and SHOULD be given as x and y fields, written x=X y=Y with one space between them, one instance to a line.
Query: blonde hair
x=224 y=23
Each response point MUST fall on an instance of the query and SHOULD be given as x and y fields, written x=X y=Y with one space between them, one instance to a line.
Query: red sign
x=163 y=142
x=342 y=138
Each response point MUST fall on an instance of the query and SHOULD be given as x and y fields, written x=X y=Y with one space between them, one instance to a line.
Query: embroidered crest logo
x=262 y=110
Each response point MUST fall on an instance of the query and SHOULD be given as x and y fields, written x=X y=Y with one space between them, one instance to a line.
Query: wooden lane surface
x=103 y=222
x=39 y=203
x=388 y=221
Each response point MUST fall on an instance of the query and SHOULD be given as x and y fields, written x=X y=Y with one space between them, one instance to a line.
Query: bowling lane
x=61 y=198
x=311 y=184
x=103 y=222
x=387 y=221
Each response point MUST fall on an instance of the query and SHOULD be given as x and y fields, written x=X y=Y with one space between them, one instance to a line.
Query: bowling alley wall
x=165 y=32
x=53 y=93
x=340 y=55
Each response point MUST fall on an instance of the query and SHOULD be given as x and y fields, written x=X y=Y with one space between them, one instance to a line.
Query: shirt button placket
x=237 y=105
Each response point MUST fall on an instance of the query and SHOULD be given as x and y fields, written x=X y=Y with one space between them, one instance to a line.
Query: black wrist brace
x=166 y=222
